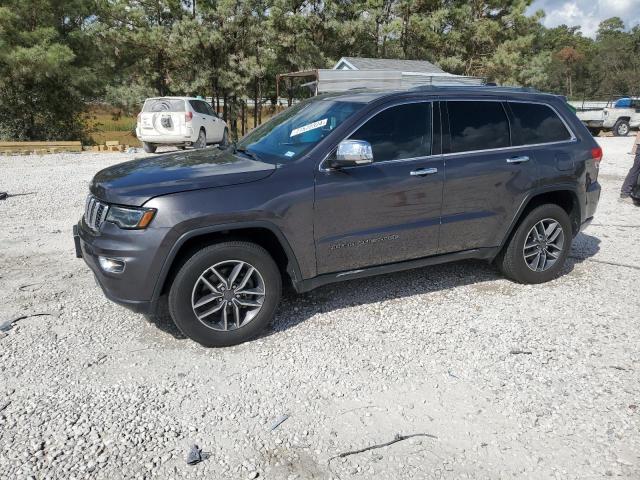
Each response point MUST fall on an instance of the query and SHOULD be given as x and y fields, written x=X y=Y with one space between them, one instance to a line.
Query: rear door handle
x=421 y=172
x=520 y=159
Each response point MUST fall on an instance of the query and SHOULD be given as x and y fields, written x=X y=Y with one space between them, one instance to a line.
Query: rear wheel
x=225 y=294
x=621 y=128
x=149 y=147
x=201 y=142
x=539 y=247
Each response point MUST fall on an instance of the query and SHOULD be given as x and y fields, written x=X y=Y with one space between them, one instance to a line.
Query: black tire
x=595 y=131
x=201 y=142
x=180 y=294
x=225 y=138
x=621 y=128
x=511 y=260
x=149 y=147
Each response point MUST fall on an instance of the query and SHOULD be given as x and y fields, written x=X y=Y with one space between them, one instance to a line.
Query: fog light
x=111 y=265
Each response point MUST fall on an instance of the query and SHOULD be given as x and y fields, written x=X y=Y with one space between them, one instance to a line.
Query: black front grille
x=95 y=213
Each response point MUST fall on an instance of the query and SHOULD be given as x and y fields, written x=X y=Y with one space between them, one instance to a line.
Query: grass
x=106 y=123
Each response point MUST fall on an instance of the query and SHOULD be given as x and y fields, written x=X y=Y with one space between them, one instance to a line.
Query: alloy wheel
x=228 y=295
x=543 y=245
x=623 y=130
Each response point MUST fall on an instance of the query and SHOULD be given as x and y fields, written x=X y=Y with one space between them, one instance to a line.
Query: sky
x=587 y=13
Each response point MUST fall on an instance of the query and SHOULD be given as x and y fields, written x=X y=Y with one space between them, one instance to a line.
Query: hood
x=135 y=182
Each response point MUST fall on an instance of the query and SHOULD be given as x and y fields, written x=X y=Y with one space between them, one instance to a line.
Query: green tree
x=46 y=68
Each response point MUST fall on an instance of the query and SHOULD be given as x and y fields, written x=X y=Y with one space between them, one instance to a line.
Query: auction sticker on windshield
x=306 y=128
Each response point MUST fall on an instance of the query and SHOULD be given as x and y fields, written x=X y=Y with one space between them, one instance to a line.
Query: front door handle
x=421 y=172
x=521 y=159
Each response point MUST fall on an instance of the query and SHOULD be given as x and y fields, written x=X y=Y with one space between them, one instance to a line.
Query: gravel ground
x=513 y=381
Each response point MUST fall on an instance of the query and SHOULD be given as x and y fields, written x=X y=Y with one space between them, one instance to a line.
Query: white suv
x=180 y=121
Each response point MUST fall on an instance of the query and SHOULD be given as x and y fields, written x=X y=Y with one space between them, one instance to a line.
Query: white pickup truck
x=619 y=116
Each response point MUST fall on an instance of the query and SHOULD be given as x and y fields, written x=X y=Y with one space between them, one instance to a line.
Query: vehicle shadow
x=297 y=308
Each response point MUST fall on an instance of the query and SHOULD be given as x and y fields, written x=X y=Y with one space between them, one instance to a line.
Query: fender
x=562 y=187
x=293 y=268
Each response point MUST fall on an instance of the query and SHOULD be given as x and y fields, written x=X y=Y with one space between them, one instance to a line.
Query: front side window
x=298 y=129
x=399 y=132
x=477 y=125
x=536 y=123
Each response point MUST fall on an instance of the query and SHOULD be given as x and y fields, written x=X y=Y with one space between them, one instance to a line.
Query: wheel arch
x=264 y=234
x=564 y=197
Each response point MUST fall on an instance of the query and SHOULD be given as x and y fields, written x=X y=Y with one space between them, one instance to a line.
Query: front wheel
x=621 y=128
x=149 y=147
x=225 y=138
x=225 y=294
x=539 y=247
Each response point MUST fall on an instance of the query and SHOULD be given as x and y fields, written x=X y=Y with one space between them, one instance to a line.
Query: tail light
x=188 y=116
x=138 y=121
x=596 y=155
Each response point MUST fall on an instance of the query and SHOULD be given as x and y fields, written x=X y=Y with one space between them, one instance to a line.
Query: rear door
x=539 y=127
x=201 y=119
x=162 y=116
x=387 y=211
x=487 y=178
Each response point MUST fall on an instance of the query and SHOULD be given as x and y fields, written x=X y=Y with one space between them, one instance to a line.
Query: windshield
x=298 y=129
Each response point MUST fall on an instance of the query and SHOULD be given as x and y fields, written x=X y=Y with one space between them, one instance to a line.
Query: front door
x=387 y=211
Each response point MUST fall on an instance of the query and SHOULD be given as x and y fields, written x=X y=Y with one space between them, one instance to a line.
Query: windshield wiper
x=246 y=152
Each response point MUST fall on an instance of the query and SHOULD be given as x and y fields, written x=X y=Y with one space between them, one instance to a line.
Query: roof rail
x=487 y=85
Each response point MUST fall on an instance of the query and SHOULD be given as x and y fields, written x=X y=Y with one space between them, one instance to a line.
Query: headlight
x=130 y=217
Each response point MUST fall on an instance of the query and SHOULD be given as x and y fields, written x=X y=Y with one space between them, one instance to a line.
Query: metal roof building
x=388 y=64
x=356 y=72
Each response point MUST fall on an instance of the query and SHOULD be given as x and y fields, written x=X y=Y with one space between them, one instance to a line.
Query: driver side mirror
x=351 y=153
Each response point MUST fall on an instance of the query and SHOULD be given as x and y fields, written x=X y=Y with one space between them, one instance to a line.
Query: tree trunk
x=255 y=103
x=225 y=108
x=234 y=118
x=243 y=116
x=260 y=106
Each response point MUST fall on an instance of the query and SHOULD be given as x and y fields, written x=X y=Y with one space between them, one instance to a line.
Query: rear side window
x=477 y=126
x=536 y=123
x=399 y=132
x=163 y=105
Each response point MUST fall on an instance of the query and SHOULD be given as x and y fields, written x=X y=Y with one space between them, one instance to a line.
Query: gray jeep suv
x=339 y=187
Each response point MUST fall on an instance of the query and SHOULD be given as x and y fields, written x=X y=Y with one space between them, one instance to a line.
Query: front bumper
x=133 y=288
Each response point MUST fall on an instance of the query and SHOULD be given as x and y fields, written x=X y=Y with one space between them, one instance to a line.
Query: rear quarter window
x=537 y=123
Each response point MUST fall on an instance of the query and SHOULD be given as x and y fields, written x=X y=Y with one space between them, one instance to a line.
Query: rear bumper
x=133 y=288
x=185 y=136
x=586 y=223
x=592 y=197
